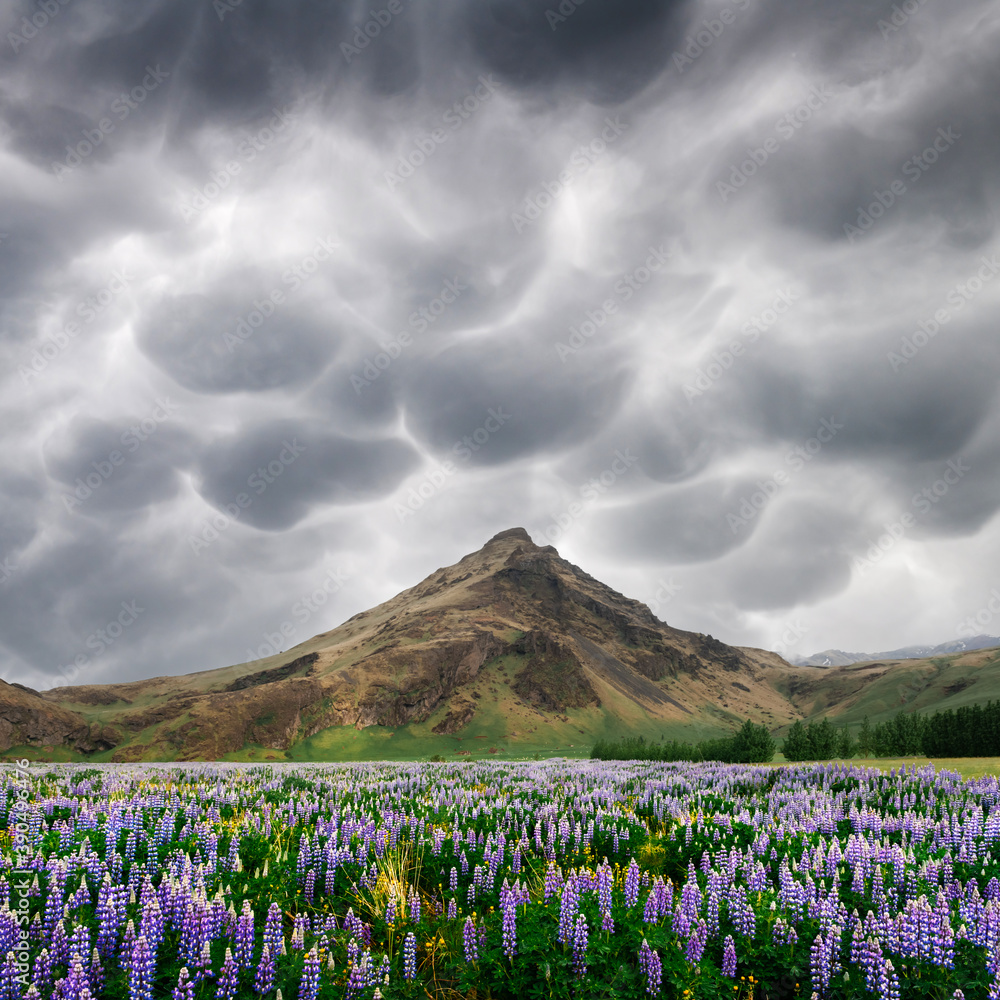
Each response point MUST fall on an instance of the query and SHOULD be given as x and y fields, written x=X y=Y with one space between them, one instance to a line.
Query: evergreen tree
x=846 y=746
x=797 y=746
x=866 y=739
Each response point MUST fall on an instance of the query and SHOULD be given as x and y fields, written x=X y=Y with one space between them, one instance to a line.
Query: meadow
x=490 y=879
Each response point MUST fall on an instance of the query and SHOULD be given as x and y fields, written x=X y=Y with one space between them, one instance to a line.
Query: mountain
x=512 y=648
x=838 y=658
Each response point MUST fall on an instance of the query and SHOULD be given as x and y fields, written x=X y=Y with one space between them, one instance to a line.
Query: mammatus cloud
x=704 y=293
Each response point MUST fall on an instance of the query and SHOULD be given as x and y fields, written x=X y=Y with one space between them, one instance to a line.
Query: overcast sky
x=300 y=301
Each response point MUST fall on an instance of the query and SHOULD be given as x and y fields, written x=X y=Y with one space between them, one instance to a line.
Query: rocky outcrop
x=27 y=719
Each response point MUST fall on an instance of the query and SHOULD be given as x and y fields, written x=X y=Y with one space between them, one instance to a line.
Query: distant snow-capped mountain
x=838 y=658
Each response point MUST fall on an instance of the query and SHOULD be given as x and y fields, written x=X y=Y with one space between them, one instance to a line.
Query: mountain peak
x=518 y=533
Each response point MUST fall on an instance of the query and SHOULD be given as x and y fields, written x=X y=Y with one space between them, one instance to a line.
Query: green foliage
x=753 y=744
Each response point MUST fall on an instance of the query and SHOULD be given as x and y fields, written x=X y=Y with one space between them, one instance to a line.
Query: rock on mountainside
x=512 y=628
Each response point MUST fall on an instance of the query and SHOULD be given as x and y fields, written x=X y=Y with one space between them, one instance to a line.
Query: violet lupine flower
x=410 y=956
x=729 y=957
x=580 y=937
x=452 y=909
x=819 y=961
x=553 y=880
x=141 y=971
x=390 y=910
x=651 y=967
x=229 y=978
x=96 y=973
x=696 y=942
x=184 y=990
x=568 y=906
x=245 y=937
x=469 y=940
x=632 y=883
x=272 y=929
x=9 y=987
x=309 y=984
x=41 y=976
x=604 y=883
x=508 y=906
x=414 y=907
x=264 y=977
x=453 y=880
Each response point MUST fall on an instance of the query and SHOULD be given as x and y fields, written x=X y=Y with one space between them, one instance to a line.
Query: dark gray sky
x=300 y=301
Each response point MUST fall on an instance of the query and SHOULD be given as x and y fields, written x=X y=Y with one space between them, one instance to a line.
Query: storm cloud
x=703 y=292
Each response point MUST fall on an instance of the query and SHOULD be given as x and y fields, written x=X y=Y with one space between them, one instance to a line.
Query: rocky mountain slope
x=513 y=633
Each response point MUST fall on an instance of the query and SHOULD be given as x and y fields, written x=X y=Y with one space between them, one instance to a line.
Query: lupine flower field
x=557 y=879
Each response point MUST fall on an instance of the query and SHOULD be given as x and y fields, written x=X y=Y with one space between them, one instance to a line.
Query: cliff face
x=26 y=718
x=550 y=637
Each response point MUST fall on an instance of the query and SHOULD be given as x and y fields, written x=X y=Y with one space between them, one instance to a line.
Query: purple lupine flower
x=452 y=909
x=390 y=910
x=309 y=984
x=229 y=978
x=696 y=942
x=245 y=937
x=580 y=936
x=568 y=907
x=184 y=990
x=273 y=929
x=414 y=907
x=453 y=880
x=469 y=940
x=508 y=906
x=553 y=880
x=41 y=976
x=651 y=967
x=10 y=988
x=96 y=973
x=605 y=879
x=632 y=883
x=819 y=961
x=410 y=956
x=141 y=971
x=264 y=977
x=729 y=957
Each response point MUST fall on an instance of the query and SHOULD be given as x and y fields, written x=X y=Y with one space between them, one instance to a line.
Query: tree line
x=971 y=731
x=753 y=744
